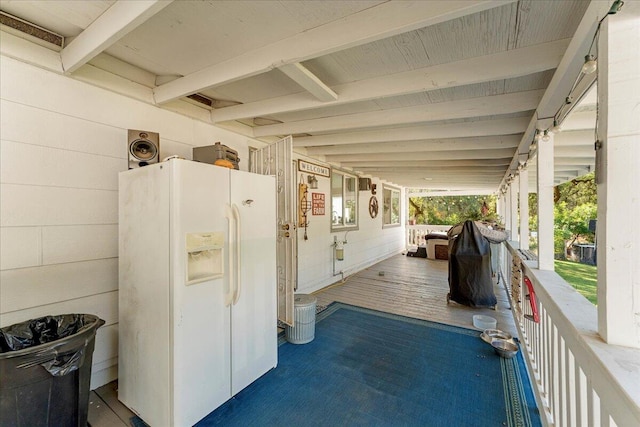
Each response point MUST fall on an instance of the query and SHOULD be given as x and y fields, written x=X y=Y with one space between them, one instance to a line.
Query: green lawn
x=581 y=276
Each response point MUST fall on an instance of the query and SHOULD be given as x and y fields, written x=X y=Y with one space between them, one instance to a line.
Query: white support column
x=508 y=214
x=500 y=206
x=618 y=176
x=545 y=204
x=524 y=209
x=406 y=209
x=513 y=207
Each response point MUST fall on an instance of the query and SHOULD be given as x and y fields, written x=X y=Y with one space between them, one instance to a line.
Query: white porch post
x=618 y=177
x=513 y=207
x=524 y=208
x=507 y=211
x=407 y=207
x=545 y=204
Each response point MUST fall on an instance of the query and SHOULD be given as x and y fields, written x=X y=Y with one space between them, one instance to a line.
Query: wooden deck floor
x=413 y=287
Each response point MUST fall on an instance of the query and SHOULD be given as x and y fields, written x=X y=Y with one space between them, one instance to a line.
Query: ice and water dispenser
x=204 y=257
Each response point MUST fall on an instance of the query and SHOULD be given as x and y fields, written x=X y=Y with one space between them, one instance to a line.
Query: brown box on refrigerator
x=212 y=153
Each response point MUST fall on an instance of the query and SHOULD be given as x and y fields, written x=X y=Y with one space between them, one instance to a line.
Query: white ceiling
x=427 y=94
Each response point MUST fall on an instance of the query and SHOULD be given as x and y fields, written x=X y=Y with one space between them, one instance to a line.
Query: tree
x=577 y=192
x=449 y=210
x=571 y=224
x=575 y=204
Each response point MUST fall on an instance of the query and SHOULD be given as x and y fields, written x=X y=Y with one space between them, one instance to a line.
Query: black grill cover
x=470 y=281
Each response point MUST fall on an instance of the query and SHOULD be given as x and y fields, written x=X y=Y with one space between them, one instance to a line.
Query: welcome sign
x=313 y=168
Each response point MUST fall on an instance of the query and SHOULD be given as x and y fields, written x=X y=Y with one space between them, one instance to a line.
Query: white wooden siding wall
x=63 y=143
x=366 y=246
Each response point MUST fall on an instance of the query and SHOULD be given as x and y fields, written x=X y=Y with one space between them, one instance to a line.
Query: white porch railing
x=417 y=233
x=580 y=380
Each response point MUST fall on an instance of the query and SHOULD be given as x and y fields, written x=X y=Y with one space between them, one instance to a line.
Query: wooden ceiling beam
x=450 y=144
x=445 y=181
x=574 y=160
x=400 y=168
x=579 y=170
x=444 y=172
x=441 y=179
x=438 y=155
x=375 y=23
x=116 y=22
x=581 y=120
x=428 y=163
x=471 y=192
x=587 y=151
x=574 y=138
x=308 y=81
x=417 y=133
x=455 y=190
x=442 y=176
x=471 y=107
x=499 y=66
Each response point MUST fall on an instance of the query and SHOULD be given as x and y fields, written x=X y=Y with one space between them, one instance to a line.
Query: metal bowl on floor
x=504 y=348
x=489 y=334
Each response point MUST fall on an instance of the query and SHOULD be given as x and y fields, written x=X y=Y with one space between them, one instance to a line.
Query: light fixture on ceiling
x=556 y=127
x=523 y=158
x=591 y=61
x=546 y=136
x=312 y=181
x=615 y=7
x=590 y=64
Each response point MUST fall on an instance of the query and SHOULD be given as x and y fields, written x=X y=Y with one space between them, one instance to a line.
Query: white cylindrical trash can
x=304 y=324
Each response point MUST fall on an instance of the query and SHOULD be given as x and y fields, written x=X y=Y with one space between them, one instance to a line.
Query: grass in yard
x=581 y=276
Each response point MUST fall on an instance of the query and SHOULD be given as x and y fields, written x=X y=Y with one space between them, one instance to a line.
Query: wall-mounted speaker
x=144 y=148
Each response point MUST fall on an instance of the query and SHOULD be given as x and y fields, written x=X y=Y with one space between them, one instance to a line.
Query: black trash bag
x=38 y=331
x=470 y=280
x=66 y=345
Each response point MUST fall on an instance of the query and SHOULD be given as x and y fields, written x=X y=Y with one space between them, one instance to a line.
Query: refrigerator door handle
x=238 y=284
x=228 y=298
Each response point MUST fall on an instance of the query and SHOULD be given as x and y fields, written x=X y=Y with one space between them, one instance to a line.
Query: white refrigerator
x=197 y=296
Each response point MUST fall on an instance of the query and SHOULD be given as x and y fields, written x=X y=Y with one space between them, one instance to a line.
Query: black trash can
x=45 y=371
